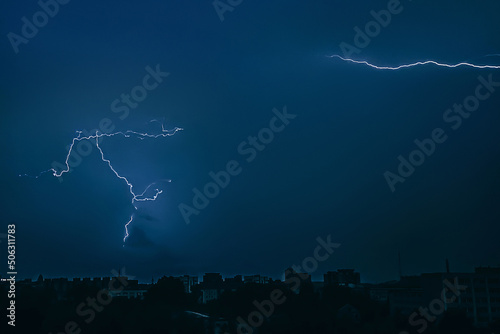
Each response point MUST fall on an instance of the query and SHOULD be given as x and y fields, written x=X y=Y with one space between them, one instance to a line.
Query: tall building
x=233 y=283
x=212 y=278
x=478 y=292
x=188 y=282
x=211 y=287
x=256 y=279
x=342 y=277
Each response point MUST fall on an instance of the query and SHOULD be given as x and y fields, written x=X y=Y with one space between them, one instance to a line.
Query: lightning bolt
x=420 y=63
x=136 y=197
x=126 y=228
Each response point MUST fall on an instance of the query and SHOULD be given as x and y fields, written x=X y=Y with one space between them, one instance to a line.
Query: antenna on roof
x=399 y=265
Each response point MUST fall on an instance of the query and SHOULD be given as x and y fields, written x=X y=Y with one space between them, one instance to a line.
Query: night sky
x=323 y=174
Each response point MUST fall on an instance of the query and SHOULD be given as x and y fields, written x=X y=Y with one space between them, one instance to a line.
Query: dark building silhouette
x=477 y=294
x=342 y=277
x=211 y=287
x=189 y=282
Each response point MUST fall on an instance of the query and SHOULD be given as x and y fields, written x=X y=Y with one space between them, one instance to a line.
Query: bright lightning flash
x=136 y=197
x=363 y=62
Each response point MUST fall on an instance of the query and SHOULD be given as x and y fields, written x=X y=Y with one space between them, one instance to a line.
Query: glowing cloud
x=136 y=197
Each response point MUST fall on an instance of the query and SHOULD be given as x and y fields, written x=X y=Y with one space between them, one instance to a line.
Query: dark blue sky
x=322 y=175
